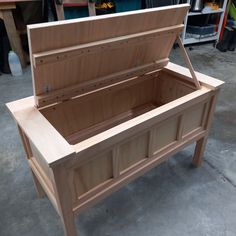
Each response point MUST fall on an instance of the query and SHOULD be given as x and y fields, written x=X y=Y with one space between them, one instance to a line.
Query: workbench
x=6 y=7
x=73 y=3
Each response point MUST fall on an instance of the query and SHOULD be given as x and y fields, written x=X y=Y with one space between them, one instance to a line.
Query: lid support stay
x=188 y=63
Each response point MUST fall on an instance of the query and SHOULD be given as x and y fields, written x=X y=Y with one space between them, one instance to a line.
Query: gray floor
x=173 y=199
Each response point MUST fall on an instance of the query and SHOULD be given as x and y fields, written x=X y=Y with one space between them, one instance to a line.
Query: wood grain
x=107 y=44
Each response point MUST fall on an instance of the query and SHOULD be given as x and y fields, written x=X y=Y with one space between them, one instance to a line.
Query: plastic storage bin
x=201 y=30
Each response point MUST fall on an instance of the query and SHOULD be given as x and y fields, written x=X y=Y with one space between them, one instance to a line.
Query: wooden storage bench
x=108 y=105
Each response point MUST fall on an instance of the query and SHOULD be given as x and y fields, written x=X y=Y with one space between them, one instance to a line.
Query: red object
x=223 y=26
x=217 y=24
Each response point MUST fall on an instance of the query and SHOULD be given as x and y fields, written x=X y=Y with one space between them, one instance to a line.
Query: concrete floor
x=173 y=199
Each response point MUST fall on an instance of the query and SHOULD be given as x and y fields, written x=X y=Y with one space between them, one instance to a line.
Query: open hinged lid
x=76 y=56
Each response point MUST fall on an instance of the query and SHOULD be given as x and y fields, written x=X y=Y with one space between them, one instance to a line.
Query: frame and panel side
x=77 y=181
x=41 y=172
x=52 y=182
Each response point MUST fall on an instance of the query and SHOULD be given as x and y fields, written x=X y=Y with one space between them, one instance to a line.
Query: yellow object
x=110 y=4
x=213 y=5
x=102 y=6
x=105 y=5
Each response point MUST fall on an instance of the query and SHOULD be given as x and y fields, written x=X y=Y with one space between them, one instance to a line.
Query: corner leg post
x=68 y=222
x=64 y=200
x=199 y=151
x=201 y=143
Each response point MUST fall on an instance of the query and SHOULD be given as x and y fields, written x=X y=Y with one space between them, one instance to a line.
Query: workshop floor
x=174 y=199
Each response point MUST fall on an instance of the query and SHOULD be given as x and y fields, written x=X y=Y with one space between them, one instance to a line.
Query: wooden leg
x=68 y=225
x=64 y=200
x=199 y=151
x=39 y=189
x=13 y=35
x=201 y=143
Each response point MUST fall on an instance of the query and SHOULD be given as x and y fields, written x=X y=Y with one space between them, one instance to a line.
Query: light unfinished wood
x=93 y=173
x=42 y=163
x=63 y=197
x=108 y=123
x=29 y=154
x=187 y=61
x=165 y=133
x=26 y=143
x=117 y=113
x=112 y=106
x=134 y=173
x=43 y=184
x=184 y=73
x=193 y=118
x=51 y=145
x=136 y=125
x=99 y=83
x=131 y=27
x=43 y=181
x=133 y=151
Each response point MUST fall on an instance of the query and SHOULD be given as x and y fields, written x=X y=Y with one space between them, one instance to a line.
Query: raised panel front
x=93 y=173
x=193 y=118
x=165 y=134
x=133 y=151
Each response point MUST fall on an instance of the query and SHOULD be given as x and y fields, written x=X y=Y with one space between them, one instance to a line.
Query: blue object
x=76 y=12
x=127 y=5
x=121 y=6
x=231 y=22
x=14 y=63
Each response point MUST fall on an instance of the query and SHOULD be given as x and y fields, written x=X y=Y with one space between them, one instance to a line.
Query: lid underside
x=69 y=56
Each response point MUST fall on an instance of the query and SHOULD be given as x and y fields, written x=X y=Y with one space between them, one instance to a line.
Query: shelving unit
x=206 y=13
x=186 y=39
x=192 y=40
